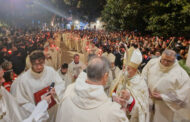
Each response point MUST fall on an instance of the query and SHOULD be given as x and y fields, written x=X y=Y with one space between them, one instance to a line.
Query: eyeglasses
x=168 y=61
x=38 y=64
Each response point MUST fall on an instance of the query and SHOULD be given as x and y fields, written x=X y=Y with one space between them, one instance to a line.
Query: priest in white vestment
x=53 y=54
x=78 y=43
x=113 y=73
x=131 y=81
x=86 y=101
x=75 y=67
x=65 y=39
x=35 y=79
x=92 y=48
x=63 y=73
x=169 y=87
x=10 y=111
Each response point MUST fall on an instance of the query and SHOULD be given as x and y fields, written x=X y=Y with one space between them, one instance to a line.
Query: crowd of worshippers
x=16 y=44
x=100 y=42
x=98 y=90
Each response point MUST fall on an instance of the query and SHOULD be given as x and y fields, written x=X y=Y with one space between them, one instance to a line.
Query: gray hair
x=91 y=56
x=1 y=68
x=97 y=67
x=169 y=52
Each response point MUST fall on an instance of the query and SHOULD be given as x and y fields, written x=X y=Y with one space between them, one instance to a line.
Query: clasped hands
x=122 y=99
x=154 y=94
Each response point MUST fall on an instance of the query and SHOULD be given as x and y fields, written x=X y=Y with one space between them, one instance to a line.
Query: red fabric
x=44 y=92
x=7 y=86
x=14 y=76
x=52 y=45
x=130 y=106
x=145 y=56
x=114 y=91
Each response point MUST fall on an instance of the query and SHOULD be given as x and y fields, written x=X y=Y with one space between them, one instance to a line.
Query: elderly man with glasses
x=169 y=86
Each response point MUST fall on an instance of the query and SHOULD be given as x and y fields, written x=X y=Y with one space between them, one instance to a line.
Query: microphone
x=52 y=85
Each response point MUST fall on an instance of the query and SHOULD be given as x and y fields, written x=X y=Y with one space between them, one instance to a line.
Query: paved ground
x=67 y=55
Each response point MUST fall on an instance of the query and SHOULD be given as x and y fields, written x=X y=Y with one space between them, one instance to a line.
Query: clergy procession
x=92 y=87
x=94 y=61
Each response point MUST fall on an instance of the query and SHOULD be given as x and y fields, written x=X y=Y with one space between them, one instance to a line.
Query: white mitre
x=135 y=59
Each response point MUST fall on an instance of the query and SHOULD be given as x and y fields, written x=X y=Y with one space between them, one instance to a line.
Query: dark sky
x=20 y=11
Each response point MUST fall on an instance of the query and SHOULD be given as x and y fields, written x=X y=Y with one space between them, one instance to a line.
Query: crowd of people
x=125 y=77
x=150 y=46
x=16 y=44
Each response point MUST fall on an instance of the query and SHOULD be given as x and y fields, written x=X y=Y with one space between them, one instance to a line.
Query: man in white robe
x=65 y=39
x=131 y=81
x=85 y=43
x=10 y=111
x=169 y=87
x=113 y=73
x=86 y=101
x=35 y=79
x=75 y=67
x=70 y=41
x=63 y=73
x=79 y=44
x=53 y=54
x=86 y=49
x=92 y=48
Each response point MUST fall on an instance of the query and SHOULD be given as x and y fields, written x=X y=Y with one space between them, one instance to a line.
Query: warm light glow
x=52 y=24
x=77 y=22
x=10 y=52
x=98 y=22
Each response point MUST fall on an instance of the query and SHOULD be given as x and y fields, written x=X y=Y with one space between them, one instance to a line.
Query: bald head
x=97 y=67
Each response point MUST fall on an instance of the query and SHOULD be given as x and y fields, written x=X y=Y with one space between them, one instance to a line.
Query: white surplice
x=84 y=102
x=9 y=109
x=139 y=91
x=75 y=69
x=31 y=82
x=65 y=77
x=113 y=74
x=173 y=83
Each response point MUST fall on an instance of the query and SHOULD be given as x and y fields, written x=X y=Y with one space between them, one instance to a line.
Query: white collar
x=37 y=75
x=86 y=95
